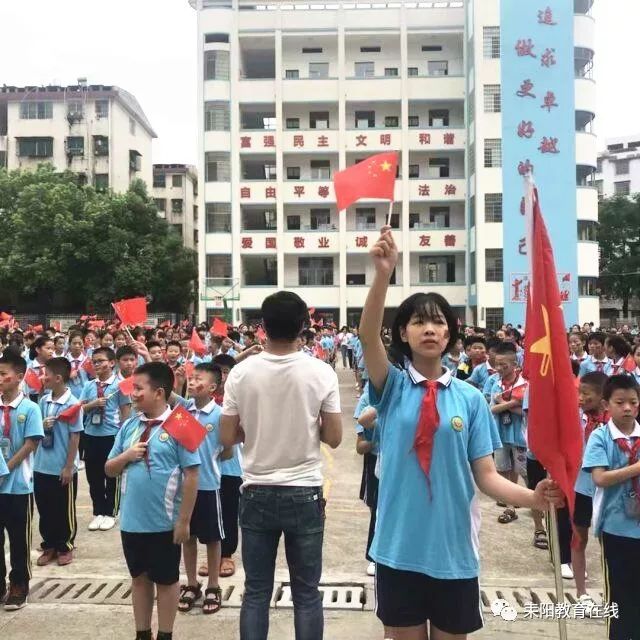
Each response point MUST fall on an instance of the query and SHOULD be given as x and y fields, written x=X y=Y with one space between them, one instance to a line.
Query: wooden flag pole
x=389 y=213
x=555 y=555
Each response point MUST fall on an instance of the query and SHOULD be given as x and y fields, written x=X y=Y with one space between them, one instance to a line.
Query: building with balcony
x=618 y=169
x=175 y=192
x=99 y=132
x=291 y=92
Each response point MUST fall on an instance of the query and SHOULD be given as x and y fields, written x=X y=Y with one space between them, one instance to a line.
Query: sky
x=148 y=47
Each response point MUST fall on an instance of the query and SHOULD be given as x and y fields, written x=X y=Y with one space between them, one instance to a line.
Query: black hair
x=469 y=340
x=493 y=343
x=12 y=358
x=427 y=306
x=575 y=368
x=619 y=345
x=59 y=367
x=284 y=314
x=173 y=343
x=597 y=336
x=506 y=349
x=125 y=350
x=594 y=379
x=153 y=343
x=58 y=337
x=579 y=334
x=213 y=369
x=513 y=333
x=38 y=343
x=249 y=334
x=619 y=382
x=233 y=335
x=225 y=360
x=105 y=351
x=159 y=374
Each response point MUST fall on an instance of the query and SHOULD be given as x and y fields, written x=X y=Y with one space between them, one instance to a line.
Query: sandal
x=227 y=568
x=188 y=596
x=212 y=602
x=501 y=504
x=509 y=515
x=203 y=571
x=540 y=540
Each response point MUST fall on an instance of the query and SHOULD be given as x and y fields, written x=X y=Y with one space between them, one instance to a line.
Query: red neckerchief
x=633 y=453
x=510 y=387
x=594 y=420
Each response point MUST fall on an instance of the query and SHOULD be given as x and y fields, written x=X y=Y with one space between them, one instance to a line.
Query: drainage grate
x=519 y=597
x=81 y=591
x=334 y=596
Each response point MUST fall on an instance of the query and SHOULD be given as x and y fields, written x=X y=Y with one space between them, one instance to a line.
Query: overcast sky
x=148 y=47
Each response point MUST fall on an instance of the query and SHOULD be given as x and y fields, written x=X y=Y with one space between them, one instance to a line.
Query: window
x=320 y=219
x=260 y=272
x=177 y=205
x=218 y=266
x=101 y=181
x=472 y=267
x=492 y=152
x=492 y=98
x=216 y=116
x=391 y=121
x=320 y=170
x=293 y=223
x=135 y=160
x=491 y=42
x=176 y=180
x=161 y=204
x=210 y=38
x=471 y=107
x=414 y=121
x=216 y=65
x=587 y=231
x=622 y=167
x=101 y=145
x=622 y=188
x=75 y=111
x=365 y=218
x=315 y=272
x=269 y=171
x=599 y=165
x=431 y=47
x=75 y=145
x=132 y=126
x=318 y=69
x=587 y=286
x=414 y=220
x=493 y=207
x=438 y=67
x=615 y=147
x=292 y=123
x=599 y=187
x=438 y=168
x=438 y=117
x=293 y=173
x=439 y=217
x=412 y=71
x=260 y=220
x=36 y=110
x=391 y=72
x=472 y=212
x=291 y=74
x=35 y=147
x=216 y=167
x=493 y=265
x=319 y=119
x=370 y=49
x=364 y=69
x=102 y=108
x=217 y=217
x=414 y=170
x=436 y=269
x=312 y=50
x=494 y=318
x=365 y=119
x=159 y=180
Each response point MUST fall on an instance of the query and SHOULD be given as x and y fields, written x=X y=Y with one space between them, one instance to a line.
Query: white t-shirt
x=278 y=400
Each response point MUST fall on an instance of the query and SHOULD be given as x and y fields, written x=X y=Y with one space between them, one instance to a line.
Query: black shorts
x=206 y=519
x=153 y=554
x=583 y=511
x=407 y=599
x=535 y=473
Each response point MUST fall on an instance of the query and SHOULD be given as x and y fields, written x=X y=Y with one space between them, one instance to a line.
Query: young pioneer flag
x=184 y=428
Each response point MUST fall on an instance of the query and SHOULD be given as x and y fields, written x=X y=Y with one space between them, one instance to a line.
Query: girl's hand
x=385 y=253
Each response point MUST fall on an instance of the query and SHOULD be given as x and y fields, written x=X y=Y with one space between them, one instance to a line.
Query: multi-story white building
x=175 y=191
x=618 y=172
x=98 y=131
x=291 y=92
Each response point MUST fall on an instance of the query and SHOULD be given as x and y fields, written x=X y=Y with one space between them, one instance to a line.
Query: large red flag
x=184 y=428
x=132 y=311
x=372 y=178
x=553 y=432
x=195 y=343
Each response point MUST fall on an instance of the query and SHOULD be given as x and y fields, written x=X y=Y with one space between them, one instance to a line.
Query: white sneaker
x=81 y=465
x=566 y=571
x=371 y=569
x=94 y=525
x=107 y=523
x=587 y=602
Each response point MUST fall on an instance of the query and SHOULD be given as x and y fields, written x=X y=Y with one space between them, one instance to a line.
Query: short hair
x=38 y=343
x=506 y=349
x=213 y=369
x=619 y=382
x=12 y=358
x=580 y=335
x=284 y=314
x=173 y=343
x=575 y=367
x=153 y=343
x=233 y=335
x=597 y=336
x=596 y=380
x=250 y=334
x=105 y=351
x=513 y=333
x=493 y=343
x=619 y=345
x=469 y=340
x=59 y=367
x=224 y=360
x=159 y=374
x=125 y=350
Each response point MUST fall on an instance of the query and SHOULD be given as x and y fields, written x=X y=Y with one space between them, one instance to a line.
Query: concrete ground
x=510 y=564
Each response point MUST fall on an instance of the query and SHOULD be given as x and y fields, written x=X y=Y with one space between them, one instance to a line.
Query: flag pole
x=555 y=555
x=389 y=213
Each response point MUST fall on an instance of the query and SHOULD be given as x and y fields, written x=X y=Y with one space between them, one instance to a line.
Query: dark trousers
x=621 y=559
x=372 y=530
x=81 y=446
x=57 y=508
x=104 y=491
x=230 y=498
x=16 y=514
x=564 y=535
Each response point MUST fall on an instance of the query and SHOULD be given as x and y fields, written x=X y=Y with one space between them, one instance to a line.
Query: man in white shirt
x=282 y=405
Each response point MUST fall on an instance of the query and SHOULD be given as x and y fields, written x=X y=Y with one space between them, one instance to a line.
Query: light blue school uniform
x=590 y=364
x=105 y=422
x=480 y=375
x=609 y=502
x=584 y=481
x=431 y=532
x=488 y=386
x=512 y=433
x=327 y=343
x=151 y=494
x=52 y=459
x=636 y=375
x=76 y=384
x=449 y=363
x=233 y=466
x=520 y=356
x=207 y=357
x=26 y=422
x=370 y=435
x=4 y=470
x=209 y=417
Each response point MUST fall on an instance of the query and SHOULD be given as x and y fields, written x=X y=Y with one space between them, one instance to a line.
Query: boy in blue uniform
x=206 y=521
x=482 y=373
x=20 y=432
x=105 y=409
x=612 y=458
x=55 y=479
x=597 y=360
x=159 y=488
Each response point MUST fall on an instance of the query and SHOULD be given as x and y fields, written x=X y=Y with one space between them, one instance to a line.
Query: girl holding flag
x=437 y=437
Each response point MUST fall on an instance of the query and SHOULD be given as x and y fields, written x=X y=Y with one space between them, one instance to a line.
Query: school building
x=291 y=92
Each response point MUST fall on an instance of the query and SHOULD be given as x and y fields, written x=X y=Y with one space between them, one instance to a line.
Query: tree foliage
x=619 y=237
x=69 y=247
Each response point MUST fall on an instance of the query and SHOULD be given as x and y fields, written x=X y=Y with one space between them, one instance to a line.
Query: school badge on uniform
x=163 y=437
x=22 y=418
x=209 y=427
x=457 y=423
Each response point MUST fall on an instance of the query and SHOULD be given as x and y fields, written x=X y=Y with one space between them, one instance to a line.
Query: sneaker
x=371 y=569
x=81 y=465
x=65 y=558
x=587 y=602
x=566 y=571
x=107 y=523
x=16 y=599
x=94 y=525
x=47 y=556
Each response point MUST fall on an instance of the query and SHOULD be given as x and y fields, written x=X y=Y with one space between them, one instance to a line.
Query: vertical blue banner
x=538 y=135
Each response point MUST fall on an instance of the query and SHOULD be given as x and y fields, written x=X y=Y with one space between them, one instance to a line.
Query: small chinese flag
x=132 y=311
x=38 y=328
x=96 y=324
x=189 y=368
x=33 y=380
x=184 y=428
x=71 y=413
x=374 y=177
x=57 y=325
x=629 y=364
x=87 y=365
x=126 y=386
x=261 y=335
x=195 y=343
x=219 y=327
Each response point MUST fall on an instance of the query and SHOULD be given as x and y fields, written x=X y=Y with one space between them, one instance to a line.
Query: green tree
x=619 y=237
x=68 y=247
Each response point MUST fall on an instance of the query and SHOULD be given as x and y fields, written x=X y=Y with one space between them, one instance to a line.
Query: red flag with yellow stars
x=184 y=428
x=372 y=178
x=553 y=431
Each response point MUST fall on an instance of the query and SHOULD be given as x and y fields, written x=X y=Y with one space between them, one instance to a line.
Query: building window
x=587 y=286
x=293 y=173
x=622 y=167
x=319 y=119
x=260 y=271
x=315 y=272
x=36 y=110
x=391 y=121
x=438 y=117
x=159 y=180
x=600 y=189
x=414 y=121
x=365 y=119
x=471 y=107
x=210 y=38
x=318 y=70
x=217 y=217
x=412 y=71
x=101 y=181
x=365 y=218
x=132 y=126
x=218 y=266
x=176 y=180
x=292 y=123
x=216 y=116
x=291 y=74
x=161 y=205
x=493 y=207
x=293 y=223
x=320 y=170
x=599 y=165
x=320 y=219
x=75 y=146
x=269 y=171
x=492 y=152
x=217 y=167
x=438 y=67
x=391 y=72
x=472 y=212
x=494 y=318
x=259 y=220
x=438 y=168
x=75 y=111
x=587 y=231
x=439 y=217
x=472 y=267
x=102 y=108
x=492 y=103
x=177 y=205
x=35 y=147
x=101 y=145
x=622 y=188
x=364 y=69
x=216 y=65
x=436 y=269
x=491 y=42
x=493 y=265
x=414 y=170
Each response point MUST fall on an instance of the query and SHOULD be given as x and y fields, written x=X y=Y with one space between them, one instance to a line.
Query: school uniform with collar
x=481 y=374
x=616 y=519
x=591 y=364
x=426 y=538
x=81 y=377
x=31 y=392
x=617 y=368
x=20 y=420
x=636 y=375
